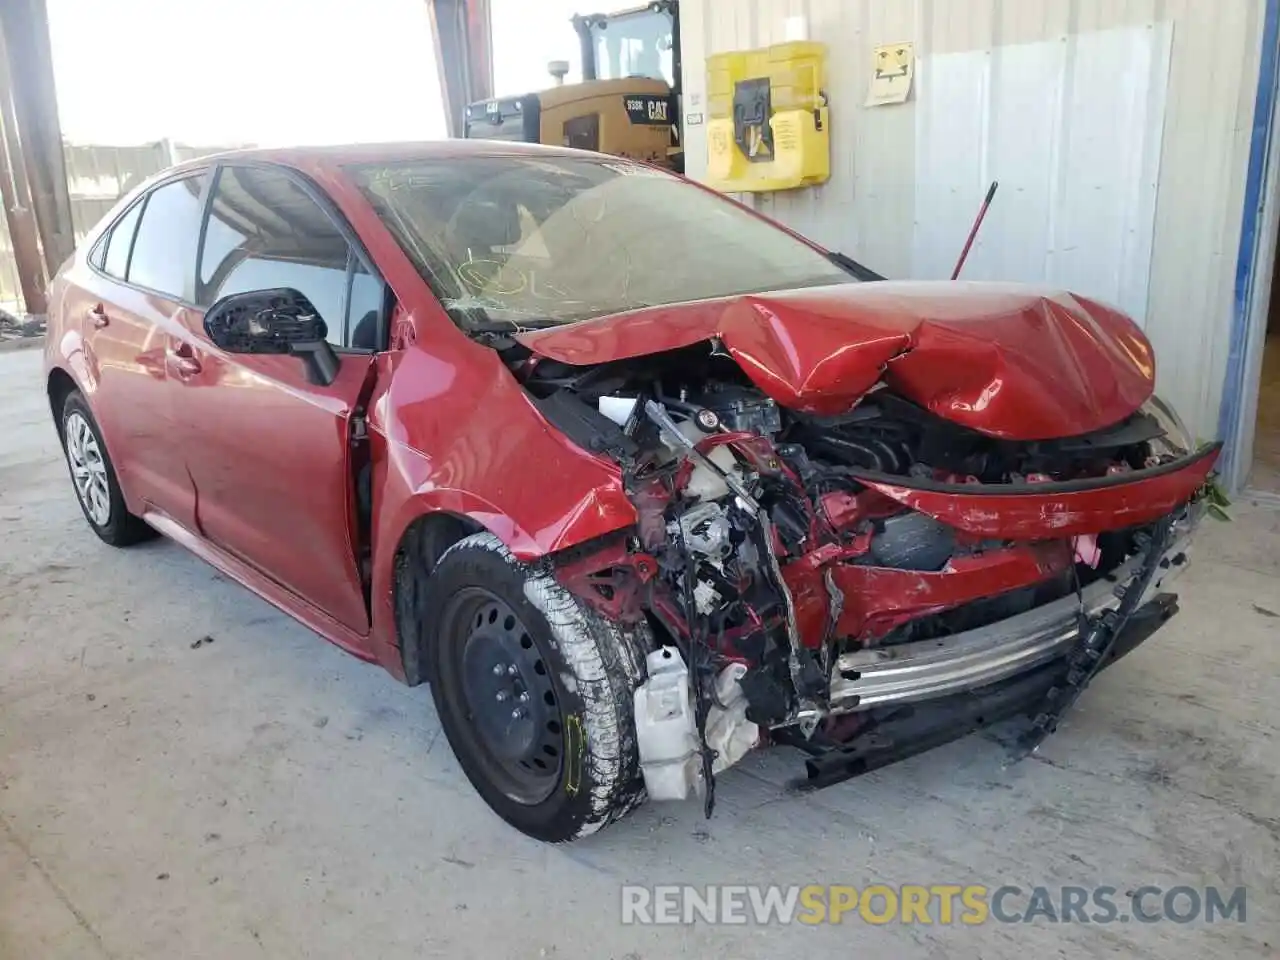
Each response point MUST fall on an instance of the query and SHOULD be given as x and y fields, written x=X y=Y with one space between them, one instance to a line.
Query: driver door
x=270 y=453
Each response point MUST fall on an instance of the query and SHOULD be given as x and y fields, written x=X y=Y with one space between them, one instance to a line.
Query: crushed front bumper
x=913 y=672
x=896 y=732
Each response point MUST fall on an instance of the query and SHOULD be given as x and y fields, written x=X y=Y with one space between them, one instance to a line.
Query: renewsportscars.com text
x=944 y=904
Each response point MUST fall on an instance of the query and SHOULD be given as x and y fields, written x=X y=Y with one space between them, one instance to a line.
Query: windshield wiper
x=853 y=267
x=510 y=326
x=478 y=320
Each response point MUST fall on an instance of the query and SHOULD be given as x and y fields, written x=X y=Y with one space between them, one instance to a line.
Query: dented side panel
x=465 y=438
x=455 y=434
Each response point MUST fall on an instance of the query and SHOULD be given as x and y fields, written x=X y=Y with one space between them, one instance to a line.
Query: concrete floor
x=267 y=795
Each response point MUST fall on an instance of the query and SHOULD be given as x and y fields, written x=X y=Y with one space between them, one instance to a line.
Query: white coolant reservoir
x=729 y=733
x=666 y=731
x=618 y=409
x=707 y=484
x=704 y=483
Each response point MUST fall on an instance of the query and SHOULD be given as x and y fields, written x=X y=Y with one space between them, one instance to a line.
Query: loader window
x=634 y=45
x=538 y=240
x=583 y=133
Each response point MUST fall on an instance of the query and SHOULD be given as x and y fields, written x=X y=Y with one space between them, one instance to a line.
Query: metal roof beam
x=462 y=33
x=26 y=34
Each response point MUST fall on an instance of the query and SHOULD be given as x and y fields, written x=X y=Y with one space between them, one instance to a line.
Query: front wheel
x=534 y=691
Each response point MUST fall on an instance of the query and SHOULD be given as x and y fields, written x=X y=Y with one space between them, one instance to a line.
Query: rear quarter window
x=164 y=250
x=115 y=252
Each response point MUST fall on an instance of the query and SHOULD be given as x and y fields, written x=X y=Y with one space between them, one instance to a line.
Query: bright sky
x=528 y=34
x=220 y=72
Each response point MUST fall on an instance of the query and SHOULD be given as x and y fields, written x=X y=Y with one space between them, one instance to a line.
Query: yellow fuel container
x=767 y=118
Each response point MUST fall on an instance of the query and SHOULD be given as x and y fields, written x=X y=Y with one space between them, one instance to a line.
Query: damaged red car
x=637 y=479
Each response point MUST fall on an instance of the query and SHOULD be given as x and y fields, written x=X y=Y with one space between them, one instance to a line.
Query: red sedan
x=636 y=478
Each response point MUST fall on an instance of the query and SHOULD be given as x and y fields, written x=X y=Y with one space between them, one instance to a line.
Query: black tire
x=120 y=528
x=588 y=665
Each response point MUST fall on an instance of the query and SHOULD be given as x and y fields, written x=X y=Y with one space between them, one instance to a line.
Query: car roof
x=312 y=158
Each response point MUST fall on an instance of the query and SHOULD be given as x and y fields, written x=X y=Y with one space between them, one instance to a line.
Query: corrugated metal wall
x=97 y=176
x=870 y=207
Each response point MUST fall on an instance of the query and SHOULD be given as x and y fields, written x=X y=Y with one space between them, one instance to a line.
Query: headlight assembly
x=1177 y=440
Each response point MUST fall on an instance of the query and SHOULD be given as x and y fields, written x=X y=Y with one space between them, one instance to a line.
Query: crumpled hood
x=1005 y=359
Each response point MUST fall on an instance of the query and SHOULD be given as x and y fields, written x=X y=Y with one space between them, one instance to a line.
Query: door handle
x=99 y=317
x=184 y=363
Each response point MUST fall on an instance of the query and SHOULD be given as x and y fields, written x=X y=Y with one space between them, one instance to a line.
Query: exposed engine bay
x=772 y=542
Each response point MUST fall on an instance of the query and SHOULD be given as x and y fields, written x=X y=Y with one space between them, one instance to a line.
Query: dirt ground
x=185 y=772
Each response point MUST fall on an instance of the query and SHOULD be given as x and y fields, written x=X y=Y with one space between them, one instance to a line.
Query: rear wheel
x=534 y=691
x=94 y=477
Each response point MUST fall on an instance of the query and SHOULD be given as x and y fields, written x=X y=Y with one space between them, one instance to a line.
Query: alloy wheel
x=88 y=469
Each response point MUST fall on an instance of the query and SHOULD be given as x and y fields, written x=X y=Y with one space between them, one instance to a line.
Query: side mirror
x=274 y=321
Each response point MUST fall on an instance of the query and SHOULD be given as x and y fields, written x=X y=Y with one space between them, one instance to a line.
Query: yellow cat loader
x=628 y=101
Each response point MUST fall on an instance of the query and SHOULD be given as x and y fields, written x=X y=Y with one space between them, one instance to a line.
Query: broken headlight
x=1177 y=440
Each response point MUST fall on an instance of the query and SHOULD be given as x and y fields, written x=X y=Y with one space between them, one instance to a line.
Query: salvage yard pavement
x=20 y=331
x=186 y=772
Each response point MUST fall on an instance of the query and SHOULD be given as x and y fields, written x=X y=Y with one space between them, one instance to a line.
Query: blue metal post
x=1259 y=149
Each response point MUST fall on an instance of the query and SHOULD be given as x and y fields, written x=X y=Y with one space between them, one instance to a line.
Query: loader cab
x=641 y=42
x=627 y=104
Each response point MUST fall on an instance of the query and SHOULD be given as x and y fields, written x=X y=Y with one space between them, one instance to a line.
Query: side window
x=264 y=231
x=165 y=247
x=120 y=241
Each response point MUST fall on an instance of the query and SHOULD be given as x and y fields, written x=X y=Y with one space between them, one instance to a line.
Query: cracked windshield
x=534 y=242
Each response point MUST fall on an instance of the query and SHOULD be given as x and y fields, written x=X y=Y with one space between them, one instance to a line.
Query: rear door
x=270 y=453
x=136 y=292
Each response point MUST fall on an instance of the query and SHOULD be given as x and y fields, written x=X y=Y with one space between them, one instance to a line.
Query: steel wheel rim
x=499 y=672
x=88 y=469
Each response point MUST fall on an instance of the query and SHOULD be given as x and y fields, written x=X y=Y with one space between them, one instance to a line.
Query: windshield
x=537 y=240
x=635 y=44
